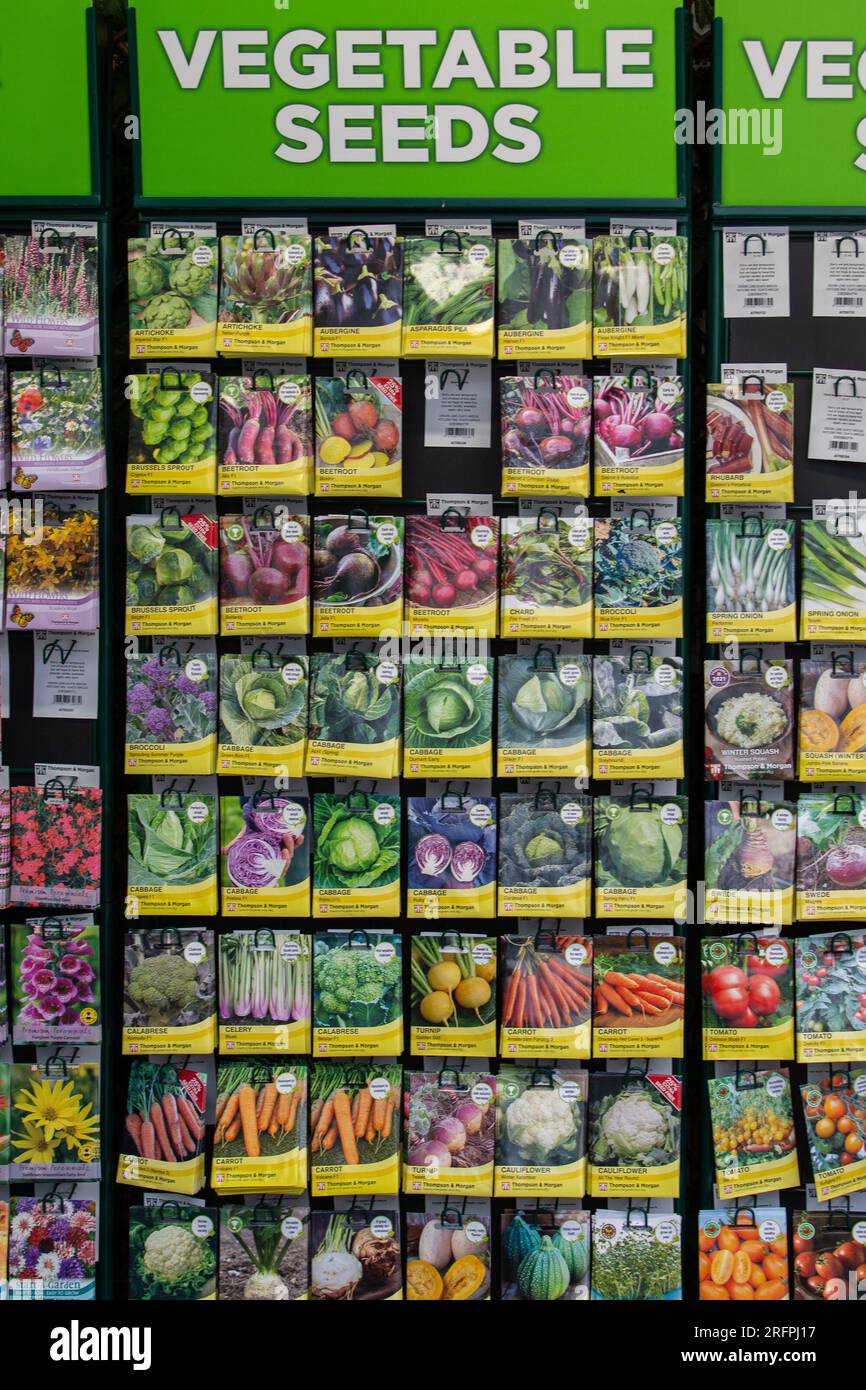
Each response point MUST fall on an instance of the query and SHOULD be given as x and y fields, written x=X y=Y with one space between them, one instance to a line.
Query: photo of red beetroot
x=640 y=420
x=546 y=423
x=451 y=560
x=265 y=432
x=262 y=564
x=358 y=425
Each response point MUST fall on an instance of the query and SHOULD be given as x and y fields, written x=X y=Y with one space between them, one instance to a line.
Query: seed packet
x=831 y=857
x=262 y=713
x=638 y=995
x=264 y=1252
x=546 y=996
x=359 y=426
x=546 y=422
x=356 y=857
x=354 y=724
x=4 y=997
x=5 y=848
x=265 y=855
x=357 y=993
x=171 y=710
x=57 y=439
x=634 y=1134
x=172 y=432
x=831 y=729
x=52 y=1247
x=833 y=575
x=448 y=296
x=640 y=856
x=451 y=867
x=543 y=704
x=356 y=1254
x=172 y=854
x=750 y=581
x=264 y=573
x=640 y=291
x=163 y=1137
x=750 y=441
x=637 y=715
x=452 y=563
x=453 y=994
x=169 y=991
x=638 y=577
x=450 y=1133
x=265 y=435
x=447 y=717
x=636 y=1255
x=749 y=859
x=56 y=845
x=835 y=1111
x=171 y=574
x=546 y=586
x=5 y=421
x=448 y=1253
x=831 y=982
x=544 y=290
x=639 y=435
x=540 y=1132
x=52 y=576
x=260 y=1142
x=830 y=1246
x=358 y=294
x=265 y=991
x=5 y=1119
x=266 y=294
x=355 y=1114
x=754 y=1142
x=749 y=718
x=172 y=295
x=545 y=855
x=55 y=978
x=357 y=575
x=743 y=1254
x=545 y=1256
x=172 y=1253
x=51 y=296
x=55 y=1122
x=748 y=997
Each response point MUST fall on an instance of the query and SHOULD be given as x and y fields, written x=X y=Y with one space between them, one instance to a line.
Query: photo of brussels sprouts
x=171 y=425
x=170 y=560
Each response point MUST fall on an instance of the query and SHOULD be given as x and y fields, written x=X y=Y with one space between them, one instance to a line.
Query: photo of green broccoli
x=168 y=977
x=356 y=979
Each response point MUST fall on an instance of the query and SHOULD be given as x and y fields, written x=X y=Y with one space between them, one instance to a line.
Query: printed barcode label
x=854 y=300
x=61 y=699
x=452 y=430
x=757 y=299
x=842 y=444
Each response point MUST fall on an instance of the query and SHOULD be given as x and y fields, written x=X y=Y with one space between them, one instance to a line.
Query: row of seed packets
x=270 y=709
x=268 y=437
x=368 y=1127
x=365 y=292
x=554 y=576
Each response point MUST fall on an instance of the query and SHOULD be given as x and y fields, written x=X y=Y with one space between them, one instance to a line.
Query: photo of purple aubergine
x=358 y=280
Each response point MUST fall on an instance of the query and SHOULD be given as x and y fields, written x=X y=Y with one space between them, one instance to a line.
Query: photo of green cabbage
x=635 y=846
x=348 y=702
x=536 y=708
x=443 y=708
x=352 y=849
x=168 y=561
x=257 y=707
x=166 y=845
x=537 y=849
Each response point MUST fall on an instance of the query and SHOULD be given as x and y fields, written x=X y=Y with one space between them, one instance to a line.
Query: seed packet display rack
x=459 y=471
x=802 y=342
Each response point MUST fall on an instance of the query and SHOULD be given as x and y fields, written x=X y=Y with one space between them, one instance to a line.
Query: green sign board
x=791 y=123
x=256 y=100
x=46 y=56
